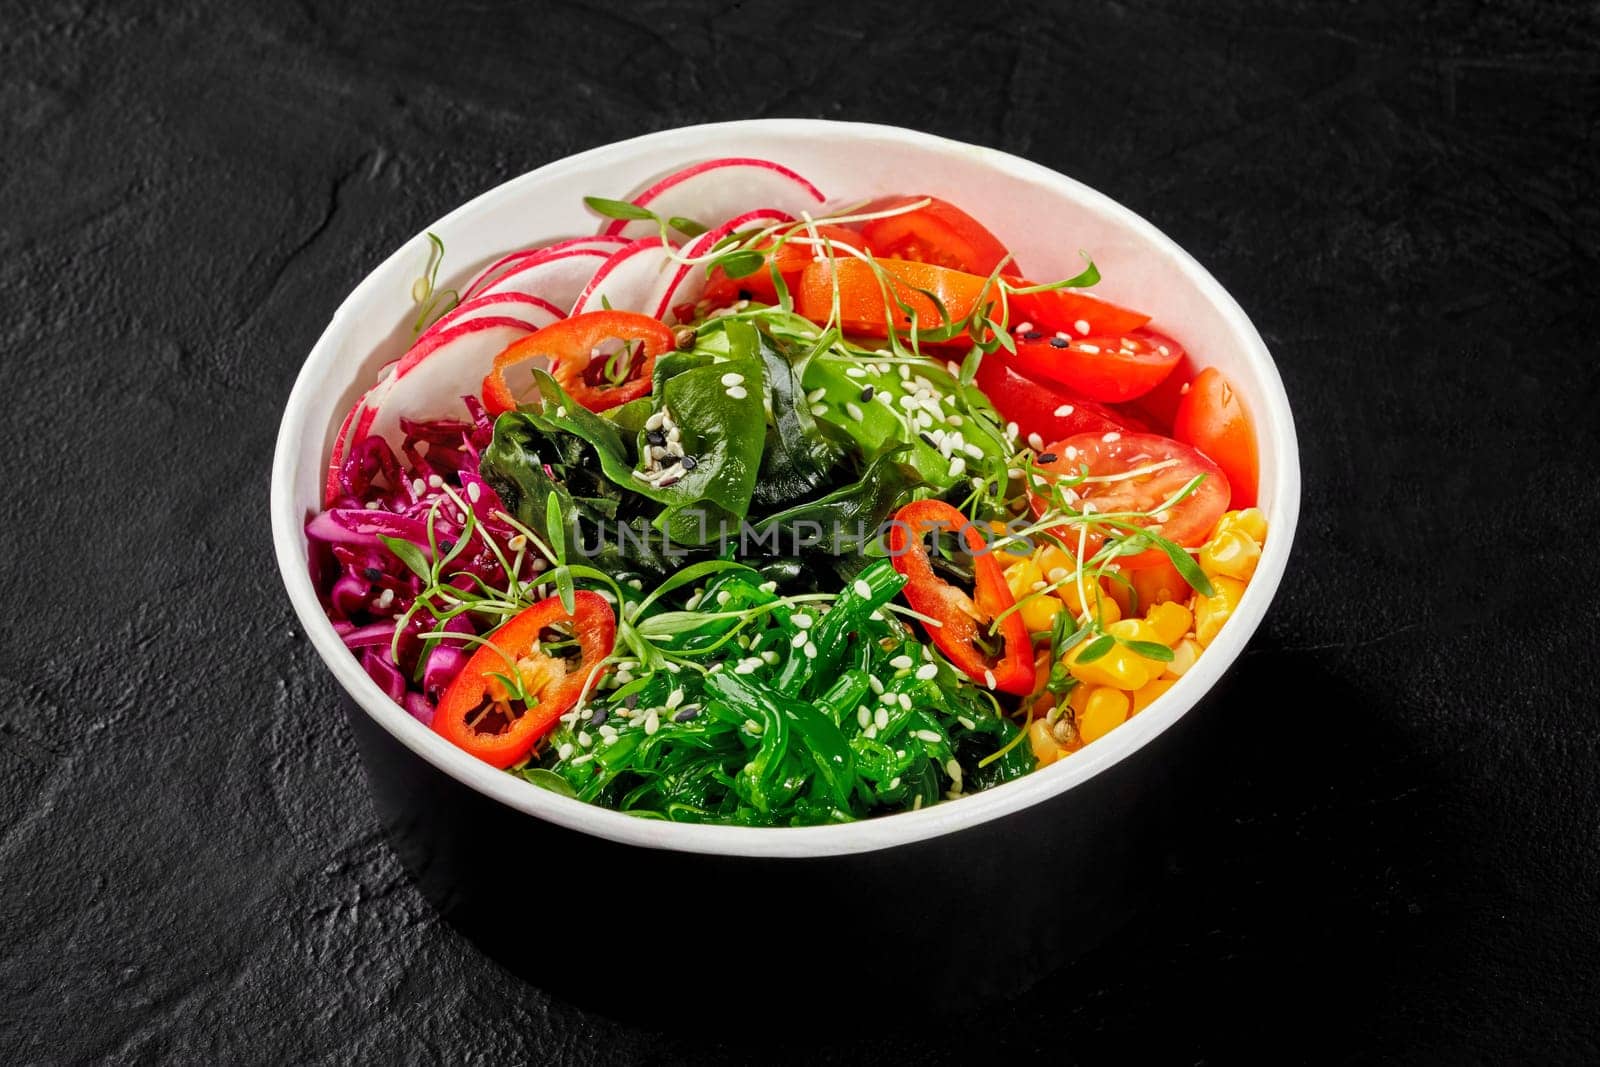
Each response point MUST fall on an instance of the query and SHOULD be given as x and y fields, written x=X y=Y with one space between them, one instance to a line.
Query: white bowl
x=1044 y=217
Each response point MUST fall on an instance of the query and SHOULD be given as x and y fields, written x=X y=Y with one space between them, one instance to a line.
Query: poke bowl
x=853 y=746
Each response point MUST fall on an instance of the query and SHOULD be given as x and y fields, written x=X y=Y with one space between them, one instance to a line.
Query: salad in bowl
x=768 y=505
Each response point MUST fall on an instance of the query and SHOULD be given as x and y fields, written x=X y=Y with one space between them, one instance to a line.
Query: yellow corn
x=1230 y=554
x=1171 y=621
x=1105 y=710
x=1252 y=522
x=1053 y=561
x=1210 y=612
x=1007 y=552
x=1021 y=576
x=1120 y=668
x=1184 y=653
x=1039 y=611
x=1099 y=603
x=1046 y=749
x=1148 y=692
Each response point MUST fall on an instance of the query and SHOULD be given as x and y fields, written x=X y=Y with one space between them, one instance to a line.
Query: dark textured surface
x=1400 y=855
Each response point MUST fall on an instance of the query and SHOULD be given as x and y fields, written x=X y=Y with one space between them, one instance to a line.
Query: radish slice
x=535 y=312
x=506 y=263
x=628 y=280
x=353 y=430
x=556 y=277
x=720 y=189
x=681 y=288
x=431 y=379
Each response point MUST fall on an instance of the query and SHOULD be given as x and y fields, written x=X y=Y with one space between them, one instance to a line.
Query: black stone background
x=1400 y=855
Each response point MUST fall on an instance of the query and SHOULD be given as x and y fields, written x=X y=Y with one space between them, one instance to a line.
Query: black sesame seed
x=1058 y=342
x=446 y=545
x=928 y=440
x=1032 y=335
x=655 y=437
x=373 y=574
x=686 y=714
x=599 y=717
x=1047 y=457
x=867 y=394
x=690 y=463
x=669 y=459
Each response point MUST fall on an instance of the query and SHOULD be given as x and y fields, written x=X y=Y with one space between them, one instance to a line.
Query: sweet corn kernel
x=1106 y=710
x=1007 y=552
x=1022 y=576
x=1051 y=558
x=1171 y=621
x=1184 y=653
x=1230 y=554
x=1148 y=692
x=1210 y=612
x=1158 y=584
x=1040 y=611
x=1251 y=522
x=1078 y=699
x=1099 y=602
x=1123 y=594
x=1046 y=749
x=1121 y=667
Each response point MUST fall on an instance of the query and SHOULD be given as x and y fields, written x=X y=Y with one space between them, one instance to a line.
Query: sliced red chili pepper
x=959 y=615
x=477 y=713
x=573 y=348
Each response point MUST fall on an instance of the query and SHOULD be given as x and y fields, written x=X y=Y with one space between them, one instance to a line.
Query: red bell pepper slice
x=572 y=346
x=959 y=615
x=477 y=713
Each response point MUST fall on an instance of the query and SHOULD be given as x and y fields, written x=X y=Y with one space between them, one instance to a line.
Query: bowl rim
x=1275 y=430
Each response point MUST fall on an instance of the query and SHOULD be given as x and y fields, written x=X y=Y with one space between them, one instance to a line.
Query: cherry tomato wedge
x=791 y=258
x=1107 y=369
x=477 y=712
x=862 y=299
x=959 y=615
x=1168 y=466
x=1045 y=408
x=1072 y=312
x=1212 y=417
x=940 y=233
x=592 y=378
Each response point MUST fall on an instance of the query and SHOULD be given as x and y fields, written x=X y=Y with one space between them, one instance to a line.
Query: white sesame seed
x=861 y=587
x=973 y=451
x=819 y=409
x=894 y=783
x=890 y=699
x=801 y=622
x=751 y=726
x=852 y=409
x=769 y=657
x=1058 y=574
x=1184 y=391
x=655 y=420
x=474 y=491
x=1112 y=436
x=863 y=716
x=880 y=718
x=798 y=640
x=744 y=666
x=1024 y=327
x=1072 y=452
x=565 y=751
x=988 y=679
x=723 y=597
x=957 y=467
x=955 y=420
x=871 y=731
x=1036 y=442
x=608 y=733
x=905 y=372
x=953 y=367
x=927 y=672
x=855 y=372
x=877 y=686
x=901 y=663
x=1163 y=350
x=928 y=736
x=736 y=392
x=371 y=505
x=816 y=395
x=905 y=701
x=953 y=769
x=584 y=739
x=768 y=587
x=732 y=378
x=652 y=722
x=418 y=487
x=1012 y=429
x=810 y=650
x=674 y=698
x=968 y=723
x=1081 y=326
x=1093 y=350
x=1063 y=411
x=385 y=599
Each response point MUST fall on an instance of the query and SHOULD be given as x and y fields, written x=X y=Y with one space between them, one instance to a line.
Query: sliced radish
x=431 y=379
x=682 y=287
x=353 y=430
x=556 y=278
x=535 y=312
x=602 y=243
x=719 y=189
x=629 y=278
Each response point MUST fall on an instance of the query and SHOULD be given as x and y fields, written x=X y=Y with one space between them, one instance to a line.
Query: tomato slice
x=1048 y=409
x=1072 y=312
x=1188 y=523
x=940 y=233
x=477 y=713
x=1211 y=416
x=588 y=374
x=791 y=259
x=862 y=309
x=1107 y=369
x=958 y=615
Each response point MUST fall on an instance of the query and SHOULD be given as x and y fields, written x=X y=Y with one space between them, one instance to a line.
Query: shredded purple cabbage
x=367 y=590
